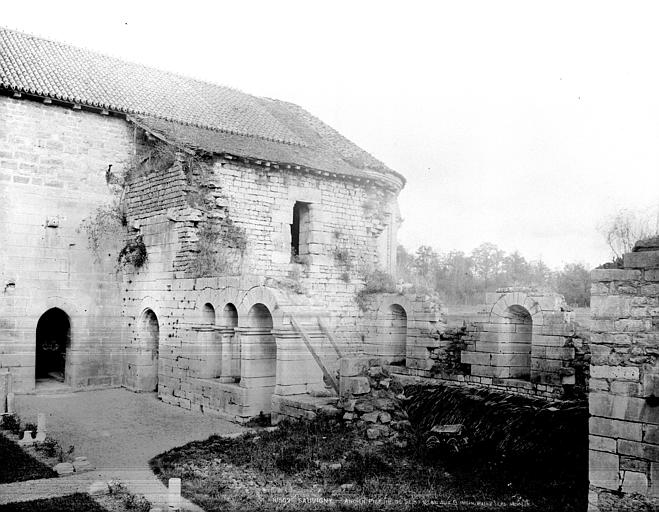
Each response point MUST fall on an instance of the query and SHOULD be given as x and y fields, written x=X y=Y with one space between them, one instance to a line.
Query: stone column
x=258 y=358
x=226 y=338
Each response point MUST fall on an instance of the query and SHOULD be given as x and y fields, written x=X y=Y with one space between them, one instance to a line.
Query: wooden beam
x=328 y=334
x=319 y=361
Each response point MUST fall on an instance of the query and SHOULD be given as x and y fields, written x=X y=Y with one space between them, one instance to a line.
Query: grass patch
x=327 y=465
x=18 y=466
x=77 y=502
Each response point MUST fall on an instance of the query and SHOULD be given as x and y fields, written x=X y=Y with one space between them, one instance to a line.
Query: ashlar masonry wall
x=624 y=385
x=343 y=241
x=53 y=162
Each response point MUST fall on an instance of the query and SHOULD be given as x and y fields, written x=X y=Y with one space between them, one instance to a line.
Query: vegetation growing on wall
x=375 y=281
x=133 y=253
x=106 y=223
x=221 y=244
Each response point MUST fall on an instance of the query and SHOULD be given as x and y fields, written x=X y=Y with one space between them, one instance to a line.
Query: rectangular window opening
x=300 y=231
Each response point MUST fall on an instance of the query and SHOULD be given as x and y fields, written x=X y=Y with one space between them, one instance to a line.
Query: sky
x=526 y=124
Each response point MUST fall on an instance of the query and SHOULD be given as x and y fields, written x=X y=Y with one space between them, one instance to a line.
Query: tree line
x=461 y=278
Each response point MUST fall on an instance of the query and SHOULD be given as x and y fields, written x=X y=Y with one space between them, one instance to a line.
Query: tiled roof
x=196 y=113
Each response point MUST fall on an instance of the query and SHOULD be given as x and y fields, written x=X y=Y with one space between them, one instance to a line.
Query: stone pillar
x=226 y=340
x=41 y=427
x=236 y=354
x=258 y=357
x=624 y=385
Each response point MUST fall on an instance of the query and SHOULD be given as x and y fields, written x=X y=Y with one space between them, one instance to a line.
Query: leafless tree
x=623 y=229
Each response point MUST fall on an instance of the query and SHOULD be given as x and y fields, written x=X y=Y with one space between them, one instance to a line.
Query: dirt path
x=118 y=431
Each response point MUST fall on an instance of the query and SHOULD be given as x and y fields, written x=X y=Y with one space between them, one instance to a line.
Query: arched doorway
x=149 y=332
x=53 y=338
x=396 y=331
x=259 y=355
x=519 y=342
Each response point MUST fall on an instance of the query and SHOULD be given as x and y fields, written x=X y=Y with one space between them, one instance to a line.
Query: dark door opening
x=53 y=338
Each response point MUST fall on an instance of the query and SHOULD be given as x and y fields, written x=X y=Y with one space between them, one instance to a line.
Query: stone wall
x=53 y=162
x=624 y=384
x=525 y=343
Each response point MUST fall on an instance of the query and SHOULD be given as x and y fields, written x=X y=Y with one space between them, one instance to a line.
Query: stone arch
x=268 y=297
x=394 y=315
x=500 y=311
x=52 y=341
x=518 y=342
x=208 y=314
x=229 y=318
x=518 y=317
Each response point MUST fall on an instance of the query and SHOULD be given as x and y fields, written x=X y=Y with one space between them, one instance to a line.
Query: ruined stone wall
x=525 y=343
x=53 y=162
x=169 y=208
x=624 y=383
x=346 y=224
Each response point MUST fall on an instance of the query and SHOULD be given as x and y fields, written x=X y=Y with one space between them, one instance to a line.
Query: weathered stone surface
x=371 y=417
x=642 y=260
x=615 y=372
x=634 y=483
x=372 y=433
x=363 y=407
x=384 y=417
x=355 y=386
x=353 y=366
x=604 y=470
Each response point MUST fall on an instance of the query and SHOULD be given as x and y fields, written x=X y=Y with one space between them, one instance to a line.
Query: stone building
x=164 y=233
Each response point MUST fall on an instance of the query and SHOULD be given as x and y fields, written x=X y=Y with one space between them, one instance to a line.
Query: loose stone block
x=352 y=367
x=371 y=417
x=27 y=438
x=64 y=468
x=354 y=386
